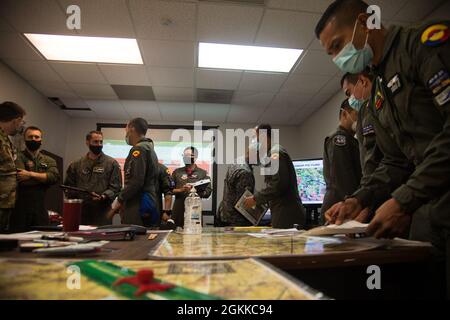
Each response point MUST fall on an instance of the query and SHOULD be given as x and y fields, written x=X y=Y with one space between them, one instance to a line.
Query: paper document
x=201 y=182
x=254 y=215
x=348 y=227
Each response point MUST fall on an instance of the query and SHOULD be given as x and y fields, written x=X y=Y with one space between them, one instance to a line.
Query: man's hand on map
x=390 y=221
x=349 y=209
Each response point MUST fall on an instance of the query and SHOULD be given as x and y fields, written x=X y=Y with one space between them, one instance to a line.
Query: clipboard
x=254 y=215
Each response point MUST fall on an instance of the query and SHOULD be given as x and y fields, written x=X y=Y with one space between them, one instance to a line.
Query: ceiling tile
x=417 y=10
x=33 y=70
x=290 y=101
x=74 y=102
x=174 y=94
x=163 y=19
x=79 y=72
x=177 y=111
x=228 y=23
x=333 y=86
x=145 y=109
x=5 y=26
x=168 y=53
x=258 y=100
x=125 y=74
x=244 y=114
x=171 y=77
x=301 y=116
x=44 y=16
x=304 y=83
x=211 y=112
x=14 y=46
x=103 y=18
x=388 y=7
x=261 y=81
x=316 y=62
x=108 y=109
x=317 y=6
x=54 y=89
x=319 y=100
x=217 y=79
x=80 y=114
x=287 y=29
x=133 y=92
x=93 y=91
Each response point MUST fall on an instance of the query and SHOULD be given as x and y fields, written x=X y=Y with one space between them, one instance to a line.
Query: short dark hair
x=353 y=78
x=344 y=106
x=267 y=127
x=193 y=150
x=10 y=111
x=89 y=135
x=31 y=128
x=140 y=125
x=346 y=10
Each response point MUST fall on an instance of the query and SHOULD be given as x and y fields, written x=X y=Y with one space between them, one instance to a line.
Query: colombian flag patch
x=136 y=153
x=435 y=35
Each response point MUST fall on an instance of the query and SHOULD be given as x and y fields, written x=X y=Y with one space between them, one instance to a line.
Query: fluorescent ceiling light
x=86 y=49
x=227 y=56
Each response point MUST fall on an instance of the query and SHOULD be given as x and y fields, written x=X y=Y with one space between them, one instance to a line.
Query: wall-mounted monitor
x=310 y=180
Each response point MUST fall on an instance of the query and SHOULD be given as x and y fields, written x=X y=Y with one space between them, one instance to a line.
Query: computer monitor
x=310 y=181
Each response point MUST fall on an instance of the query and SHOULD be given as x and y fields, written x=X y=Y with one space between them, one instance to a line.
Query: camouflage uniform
x=8 y=180
x=239 y=178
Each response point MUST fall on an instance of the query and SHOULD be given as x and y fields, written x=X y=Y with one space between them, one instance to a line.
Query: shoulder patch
x=275 y=156
x=136 y=153
x=379 y=99
x=439 y=81
x=340 y=140
x=435 y=35
x=394 y=83
x=443 y=97
x=368 y=130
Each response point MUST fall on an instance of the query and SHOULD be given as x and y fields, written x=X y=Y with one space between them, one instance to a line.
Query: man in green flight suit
x=36 y=173
x=138 y=198
x=410 y=103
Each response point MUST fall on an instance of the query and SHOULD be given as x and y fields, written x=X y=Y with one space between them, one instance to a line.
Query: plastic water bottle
x=192 y=213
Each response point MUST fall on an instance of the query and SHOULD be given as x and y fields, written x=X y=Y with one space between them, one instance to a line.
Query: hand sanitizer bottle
x=192 y=213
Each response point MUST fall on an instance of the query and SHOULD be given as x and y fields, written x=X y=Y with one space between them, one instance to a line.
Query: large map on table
x=230 y=279
x=216 y=245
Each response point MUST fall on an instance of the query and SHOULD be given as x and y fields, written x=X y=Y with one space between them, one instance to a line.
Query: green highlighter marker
x=106 y=273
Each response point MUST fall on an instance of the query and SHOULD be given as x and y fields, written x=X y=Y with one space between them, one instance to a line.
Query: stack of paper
x=348 y=227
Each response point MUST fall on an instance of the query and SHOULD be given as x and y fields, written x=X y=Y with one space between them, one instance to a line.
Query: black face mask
x=33 y=145
x=188 y=160
x=96 y=149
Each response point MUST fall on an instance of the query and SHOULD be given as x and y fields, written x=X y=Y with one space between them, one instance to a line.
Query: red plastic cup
x=72 y=214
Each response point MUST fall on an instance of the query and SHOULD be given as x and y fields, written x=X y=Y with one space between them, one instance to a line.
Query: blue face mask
x=352 y=60
x=355 y=103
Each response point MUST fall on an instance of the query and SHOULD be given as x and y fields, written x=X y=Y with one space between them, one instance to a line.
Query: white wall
x=312 y=132
x=40 y=111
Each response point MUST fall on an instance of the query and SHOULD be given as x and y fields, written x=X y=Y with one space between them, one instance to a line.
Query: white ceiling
x=169 y=51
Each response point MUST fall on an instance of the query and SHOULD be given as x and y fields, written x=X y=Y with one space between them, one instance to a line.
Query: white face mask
x=352 y=60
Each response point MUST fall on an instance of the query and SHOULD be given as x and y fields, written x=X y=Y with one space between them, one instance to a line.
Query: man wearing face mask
x=137 y=202
x=98 y=174
x=36 y=173
x=341 y=161
x=281 y=189
x=410 y=104
x=185 y=176
x=11 y=123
